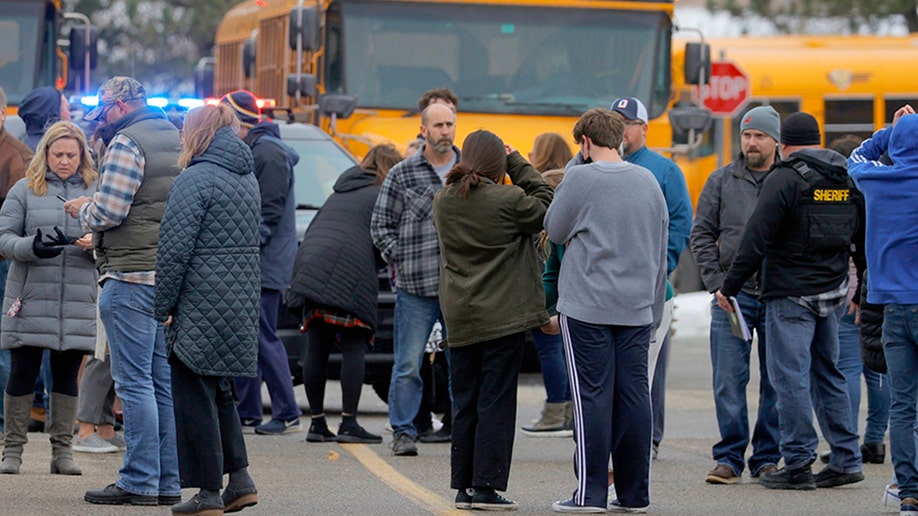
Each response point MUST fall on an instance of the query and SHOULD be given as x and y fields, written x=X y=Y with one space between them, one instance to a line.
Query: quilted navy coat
x=207 y=265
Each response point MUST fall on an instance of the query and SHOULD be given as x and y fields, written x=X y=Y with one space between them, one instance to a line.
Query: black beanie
x=244 y=104
x=800 y=129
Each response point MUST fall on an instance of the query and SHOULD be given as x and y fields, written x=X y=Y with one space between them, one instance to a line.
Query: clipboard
x=738 y=322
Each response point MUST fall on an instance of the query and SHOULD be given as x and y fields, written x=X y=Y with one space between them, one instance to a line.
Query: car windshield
x=498 y=59
x=321 y=162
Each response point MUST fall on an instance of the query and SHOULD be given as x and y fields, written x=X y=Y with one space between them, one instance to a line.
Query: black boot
x=873 y=453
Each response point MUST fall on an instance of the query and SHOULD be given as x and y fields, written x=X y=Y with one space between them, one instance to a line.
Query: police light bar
x=160 y=102
x=265 y=103
x=190 y=103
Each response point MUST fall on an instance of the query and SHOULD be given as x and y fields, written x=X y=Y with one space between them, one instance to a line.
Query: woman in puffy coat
x=50 y=299
x=207 y=295
x=334 y=288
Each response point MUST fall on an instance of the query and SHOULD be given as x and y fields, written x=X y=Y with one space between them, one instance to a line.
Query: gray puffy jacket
x=57 y=295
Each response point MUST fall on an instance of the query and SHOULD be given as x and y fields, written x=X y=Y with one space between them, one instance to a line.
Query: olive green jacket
x=490 y=283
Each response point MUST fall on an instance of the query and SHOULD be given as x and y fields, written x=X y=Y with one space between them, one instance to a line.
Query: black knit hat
x=244 y=104
x=800 y=129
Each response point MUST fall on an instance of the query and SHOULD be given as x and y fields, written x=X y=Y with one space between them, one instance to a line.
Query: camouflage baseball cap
x=120 y=88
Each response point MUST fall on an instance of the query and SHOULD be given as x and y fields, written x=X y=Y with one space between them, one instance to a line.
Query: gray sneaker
x=93 y=444
x=403 y=445
x=118 y=441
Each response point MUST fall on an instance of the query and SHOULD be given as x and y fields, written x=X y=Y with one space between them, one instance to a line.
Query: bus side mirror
x=248 y=57
x=304 y=84
x=336 y=105
x=684 y=120
x=81 y=48
x=204 y=78
x=697 y=63
x=304 y=26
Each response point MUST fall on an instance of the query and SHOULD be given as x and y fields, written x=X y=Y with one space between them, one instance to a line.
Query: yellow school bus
x=519 y=67
x=851 y=84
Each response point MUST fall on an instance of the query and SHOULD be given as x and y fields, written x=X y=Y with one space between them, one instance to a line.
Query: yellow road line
x=421 y=496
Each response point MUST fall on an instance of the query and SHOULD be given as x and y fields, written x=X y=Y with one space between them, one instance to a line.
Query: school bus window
x=894 y=103
x=848 y=116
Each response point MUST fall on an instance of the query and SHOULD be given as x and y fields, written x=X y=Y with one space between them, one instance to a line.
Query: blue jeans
x=143 y=382
x=803 y=347
x=877 y=406
x=852 y=366
x=414 y=320
x=730 y=363
x=849 y=361
x=900 y=345
x=554 y=369
x=273 y=369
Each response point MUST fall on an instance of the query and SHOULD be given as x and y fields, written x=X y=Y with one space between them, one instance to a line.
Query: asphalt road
x=295 y=477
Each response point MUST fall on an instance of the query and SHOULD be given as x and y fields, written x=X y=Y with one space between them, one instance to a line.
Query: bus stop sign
x=728 y=90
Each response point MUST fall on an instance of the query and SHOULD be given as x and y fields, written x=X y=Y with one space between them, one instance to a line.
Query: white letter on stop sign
x=727 y=88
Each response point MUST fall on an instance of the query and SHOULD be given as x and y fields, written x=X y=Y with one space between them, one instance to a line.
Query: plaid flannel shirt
x=402 y=224
x=120 y=176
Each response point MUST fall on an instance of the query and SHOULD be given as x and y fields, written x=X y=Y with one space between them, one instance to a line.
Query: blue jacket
x=274 y=162
x=678 y=201
x=207 y=263
x=891 y=195
x=39 y=109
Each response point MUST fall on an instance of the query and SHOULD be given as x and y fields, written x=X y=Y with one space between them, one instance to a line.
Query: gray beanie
x=763 y=118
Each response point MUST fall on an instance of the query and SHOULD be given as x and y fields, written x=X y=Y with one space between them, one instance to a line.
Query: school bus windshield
x=20 y=40
x=498 y=59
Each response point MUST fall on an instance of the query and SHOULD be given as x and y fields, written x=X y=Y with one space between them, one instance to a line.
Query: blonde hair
x=549 y=150
x=201 y=124
x=380 y=159
x=553 y=177
x=38 y=167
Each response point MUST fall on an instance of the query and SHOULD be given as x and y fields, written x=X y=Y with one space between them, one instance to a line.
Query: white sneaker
x=612 y=496
x=93 y=444
x=891 y=495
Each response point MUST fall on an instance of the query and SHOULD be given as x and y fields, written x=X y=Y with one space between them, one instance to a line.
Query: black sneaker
x=799 y=479
x=464 y=498
x=114 y=495
x=487 y=499
x=319 y=433
x=356 y=434
x=403 y=445
x=831 y=478
x=443 y=435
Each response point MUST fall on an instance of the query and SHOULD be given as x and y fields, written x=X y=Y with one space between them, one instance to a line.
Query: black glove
x=44 y=251
x=59 y=239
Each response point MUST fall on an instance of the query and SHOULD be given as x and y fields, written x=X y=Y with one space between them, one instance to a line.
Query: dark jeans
x=273 y=369
x=323 y=339
x=209 y=434
x=484 y=411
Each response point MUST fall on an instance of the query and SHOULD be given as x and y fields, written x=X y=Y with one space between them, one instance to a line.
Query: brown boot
x=16 y=419
x=63 y=410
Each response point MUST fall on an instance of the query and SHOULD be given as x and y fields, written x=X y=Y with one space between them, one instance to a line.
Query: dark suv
x=322 y=160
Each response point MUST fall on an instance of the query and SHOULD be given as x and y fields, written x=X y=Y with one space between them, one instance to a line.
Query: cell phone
x=62 y=198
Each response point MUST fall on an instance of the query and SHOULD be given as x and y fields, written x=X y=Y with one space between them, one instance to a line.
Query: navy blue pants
x=273 y=369
x=607 y=366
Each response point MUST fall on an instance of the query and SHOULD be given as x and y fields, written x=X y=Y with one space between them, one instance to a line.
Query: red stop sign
x=728 y=90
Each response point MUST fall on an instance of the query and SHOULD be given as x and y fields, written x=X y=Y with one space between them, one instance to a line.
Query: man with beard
x=403 y=230
x=724 y=207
